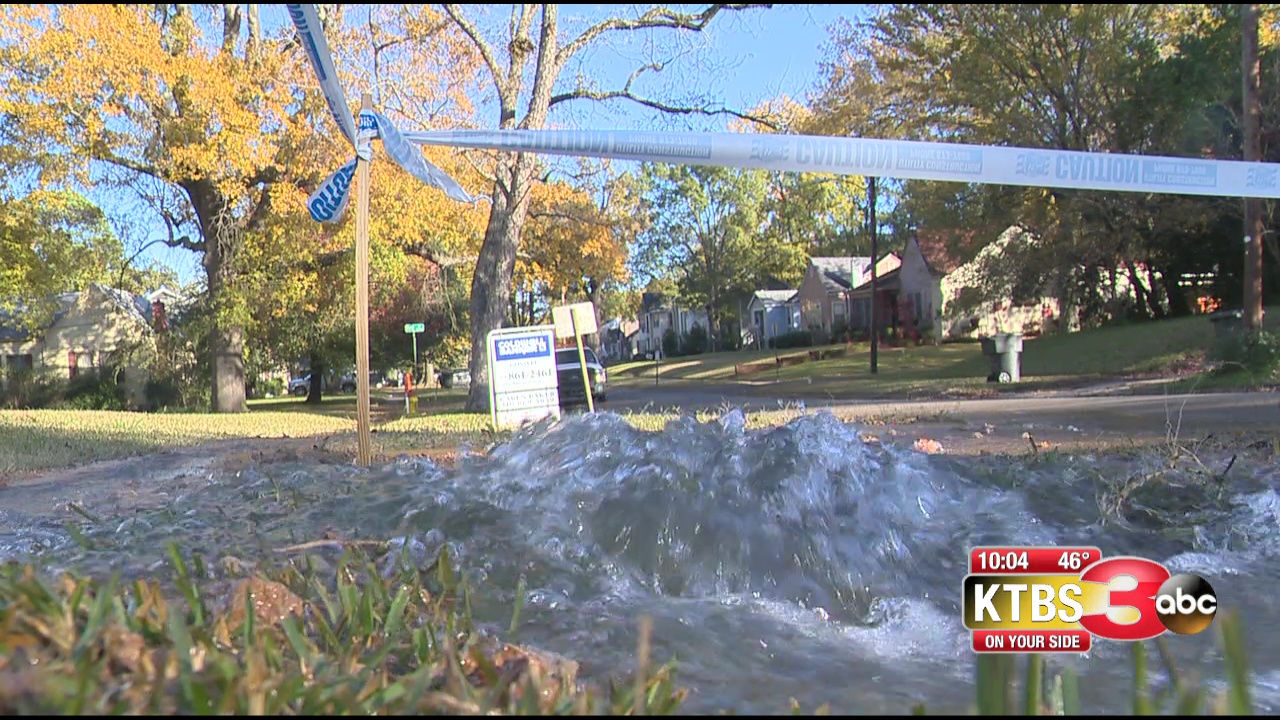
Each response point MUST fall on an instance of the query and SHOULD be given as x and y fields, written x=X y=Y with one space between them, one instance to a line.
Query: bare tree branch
x=485 y=51
x=555 y=214
x=659 y=17
x=171 y=224
x=585 y=94
x=428 y=253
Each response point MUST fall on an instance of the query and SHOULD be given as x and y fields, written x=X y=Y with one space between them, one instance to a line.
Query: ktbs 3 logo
x=1020 y=599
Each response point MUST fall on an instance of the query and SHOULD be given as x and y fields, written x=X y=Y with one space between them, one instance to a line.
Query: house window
x=917 y=305
x=759 y=318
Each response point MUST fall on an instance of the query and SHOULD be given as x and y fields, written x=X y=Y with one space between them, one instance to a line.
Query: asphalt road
x=1181 y=414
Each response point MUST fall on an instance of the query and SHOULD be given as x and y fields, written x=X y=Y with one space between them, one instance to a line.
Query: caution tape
x=906 y=159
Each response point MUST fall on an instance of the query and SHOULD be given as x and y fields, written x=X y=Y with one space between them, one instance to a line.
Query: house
x=658 y=314
x=619 y=340
x=770 y=313
x=824 y=292
x=90 y=330
x=889 y=297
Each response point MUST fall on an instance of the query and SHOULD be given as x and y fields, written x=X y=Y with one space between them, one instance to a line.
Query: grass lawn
x=1171 y=348
x=35 y=440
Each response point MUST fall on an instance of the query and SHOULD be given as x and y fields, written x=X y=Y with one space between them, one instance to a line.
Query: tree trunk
x=226 y=338
x=1254 y=229
x=1178 y=305
x=495 y=266
x=315 y=394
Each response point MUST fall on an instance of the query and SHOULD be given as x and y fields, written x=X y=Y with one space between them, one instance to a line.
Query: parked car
x=457 y=377
x=569 y=377
x=377 y=379
x=300 y=386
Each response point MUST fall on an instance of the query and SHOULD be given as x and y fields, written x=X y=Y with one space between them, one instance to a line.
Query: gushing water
x=793 y=561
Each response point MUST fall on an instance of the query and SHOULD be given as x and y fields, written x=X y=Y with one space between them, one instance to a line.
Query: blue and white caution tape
x=904 y=159
x=311 y=32
x=410 y=157
x=329 y=201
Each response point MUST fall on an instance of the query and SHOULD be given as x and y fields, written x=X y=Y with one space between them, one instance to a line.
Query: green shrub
x=695 y=343
x=25 y=389
x=798 y=338
x=670 y=343
x=1255 y=351
x=93 y=391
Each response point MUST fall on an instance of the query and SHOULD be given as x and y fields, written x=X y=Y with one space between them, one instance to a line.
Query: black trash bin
x=1005 y=351
x=1226 y=322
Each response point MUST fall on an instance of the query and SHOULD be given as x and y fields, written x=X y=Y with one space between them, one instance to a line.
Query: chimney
x=158 y=320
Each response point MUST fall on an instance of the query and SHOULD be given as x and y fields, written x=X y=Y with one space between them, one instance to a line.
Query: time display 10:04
x=987 y=560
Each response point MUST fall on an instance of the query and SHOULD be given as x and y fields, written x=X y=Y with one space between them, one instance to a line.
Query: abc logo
x=1186 y=604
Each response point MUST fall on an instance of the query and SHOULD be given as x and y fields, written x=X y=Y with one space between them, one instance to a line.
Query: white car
x=569 y=377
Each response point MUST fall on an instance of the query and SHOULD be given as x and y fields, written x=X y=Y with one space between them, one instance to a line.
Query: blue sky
x=743 y=59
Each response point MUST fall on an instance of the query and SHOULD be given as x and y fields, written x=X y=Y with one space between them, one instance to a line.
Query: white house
x=658 y=314
x=90 y=330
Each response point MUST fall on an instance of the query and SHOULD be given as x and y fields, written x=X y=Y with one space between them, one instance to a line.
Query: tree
x=1113 y=78
x=113 y=94
x=54 y=241
x=542 y=59
x=707 y=223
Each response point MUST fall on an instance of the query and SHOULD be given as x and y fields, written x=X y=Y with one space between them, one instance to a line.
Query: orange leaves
x=569 y=238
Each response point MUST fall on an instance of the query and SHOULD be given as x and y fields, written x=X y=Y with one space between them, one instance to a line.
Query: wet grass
x=362 y=638
x=1002 y=690
x=379 y=633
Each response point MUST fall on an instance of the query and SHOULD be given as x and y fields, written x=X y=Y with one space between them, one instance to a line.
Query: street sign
x=415 y=327
x=579 y=318
x=522 y=375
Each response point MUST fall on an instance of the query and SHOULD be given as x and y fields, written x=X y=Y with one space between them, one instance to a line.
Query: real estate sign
x=522 y=375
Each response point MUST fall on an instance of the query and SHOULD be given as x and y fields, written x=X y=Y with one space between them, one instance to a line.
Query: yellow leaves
x=569 y=238
x=783 y=112
x=109 y=82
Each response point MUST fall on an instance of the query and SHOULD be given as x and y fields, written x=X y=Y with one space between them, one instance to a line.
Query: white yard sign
x=522 y=375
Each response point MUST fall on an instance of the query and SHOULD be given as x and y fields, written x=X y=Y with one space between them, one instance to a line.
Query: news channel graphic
x=1057 y=599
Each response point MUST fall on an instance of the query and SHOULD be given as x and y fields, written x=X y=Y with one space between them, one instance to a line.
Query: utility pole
x=875 y=330
x=1253 y=228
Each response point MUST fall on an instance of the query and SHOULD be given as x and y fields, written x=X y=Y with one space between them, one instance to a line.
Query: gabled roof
x=136 y=307
x=836 y=273
x=774 y=297
x=887 y=281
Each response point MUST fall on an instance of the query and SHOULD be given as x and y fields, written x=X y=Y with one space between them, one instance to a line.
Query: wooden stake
x=362 y=301
x=582 y=359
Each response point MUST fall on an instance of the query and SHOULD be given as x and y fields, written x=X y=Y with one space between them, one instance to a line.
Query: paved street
x=1197 y=414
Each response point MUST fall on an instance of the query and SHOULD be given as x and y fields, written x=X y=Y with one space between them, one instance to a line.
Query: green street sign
x=415 y=327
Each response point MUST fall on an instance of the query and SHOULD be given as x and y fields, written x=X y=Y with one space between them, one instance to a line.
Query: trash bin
x=1226 y=322
x=1005 y=351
